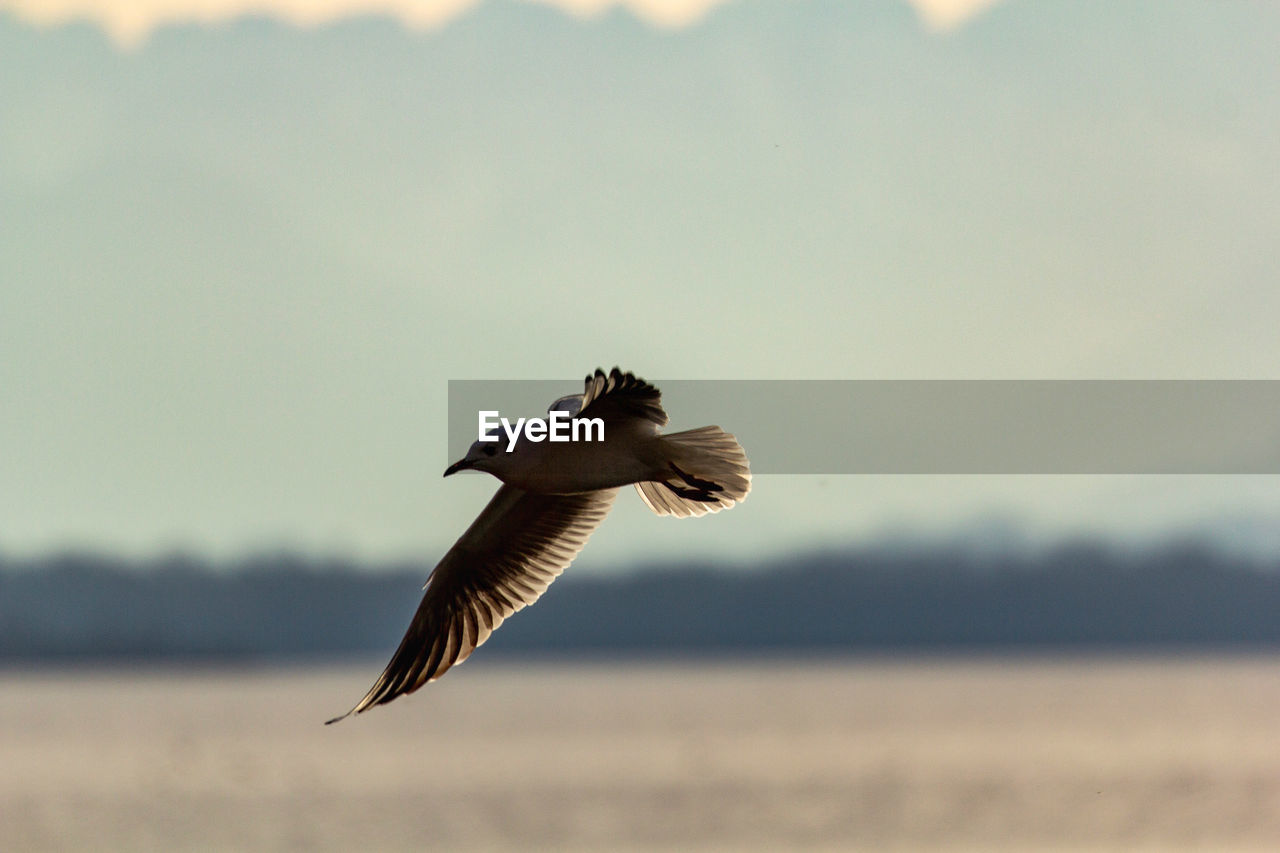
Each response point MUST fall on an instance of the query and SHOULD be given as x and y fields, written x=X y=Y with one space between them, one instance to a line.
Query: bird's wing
x=619 y=396
x=571 y=404
x=509 y=555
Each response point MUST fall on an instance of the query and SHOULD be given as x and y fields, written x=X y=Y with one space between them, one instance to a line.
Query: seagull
x=552 y=497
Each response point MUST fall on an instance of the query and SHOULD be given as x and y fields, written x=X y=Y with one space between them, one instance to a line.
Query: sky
x=242 y=255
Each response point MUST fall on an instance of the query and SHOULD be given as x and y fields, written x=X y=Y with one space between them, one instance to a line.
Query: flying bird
x=552 y=497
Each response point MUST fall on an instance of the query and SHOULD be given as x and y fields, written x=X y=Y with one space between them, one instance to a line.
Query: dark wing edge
x=621 y=394
x=506 y=559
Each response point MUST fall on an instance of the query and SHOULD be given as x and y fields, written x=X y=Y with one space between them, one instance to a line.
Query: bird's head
x=481 y=456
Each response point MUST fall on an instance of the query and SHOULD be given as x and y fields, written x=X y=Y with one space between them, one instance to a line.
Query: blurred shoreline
x=1082 y=597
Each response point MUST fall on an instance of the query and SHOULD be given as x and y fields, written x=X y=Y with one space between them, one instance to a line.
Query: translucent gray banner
x=948 y=426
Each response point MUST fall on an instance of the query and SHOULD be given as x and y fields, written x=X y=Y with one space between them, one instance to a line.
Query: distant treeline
x=1074 y=596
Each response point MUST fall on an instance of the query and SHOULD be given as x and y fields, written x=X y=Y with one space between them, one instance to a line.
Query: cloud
x=129 y=24
x=665 y=13
x=948 y=14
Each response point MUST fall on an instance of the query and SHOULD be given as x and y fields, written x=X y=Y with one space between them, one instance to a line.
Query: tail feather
x=709 y=472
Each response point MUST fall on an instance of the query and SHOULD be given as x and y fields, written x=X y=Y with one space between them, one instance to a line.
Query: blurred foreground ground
x=1031 y=754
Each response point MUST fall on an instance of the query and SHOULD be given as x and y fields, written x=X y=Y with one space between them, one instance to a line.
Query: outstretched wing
x=621 y=395
x=509 y=555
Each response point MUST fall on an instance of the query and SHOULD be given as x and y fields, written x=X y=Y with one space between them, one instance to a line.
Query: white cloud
x=949 y=14
x=129 y=24
x=666 y=13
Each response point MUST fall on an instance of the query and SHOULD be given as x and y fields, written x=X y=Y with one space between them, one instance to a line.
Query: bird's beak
x=460 y=465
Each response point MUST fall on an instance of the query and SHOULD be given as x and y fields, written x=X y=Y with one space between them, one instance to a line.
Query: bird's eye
x=489 y=450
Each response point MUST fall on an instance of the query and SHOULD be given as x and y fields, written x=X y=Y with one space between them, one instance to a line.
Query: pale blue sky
x=241 y=261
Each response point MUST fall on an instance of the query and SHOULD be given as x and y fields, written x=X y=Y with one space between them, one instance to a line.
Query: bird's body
x=584 y=466
x=554 y=495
